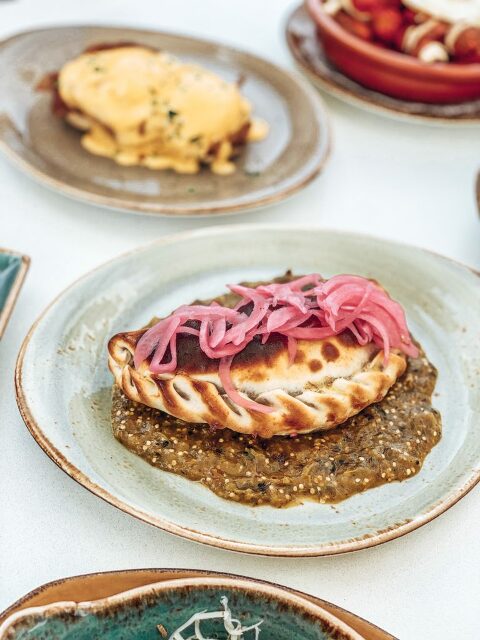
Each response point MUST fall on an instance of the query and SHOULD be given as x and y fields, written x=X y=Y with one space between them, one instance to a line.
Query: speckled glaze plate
x=310 y=57
x=138 y=612
x=13 y=269
x=63 y=383
x=48 y=150
x=94 y=586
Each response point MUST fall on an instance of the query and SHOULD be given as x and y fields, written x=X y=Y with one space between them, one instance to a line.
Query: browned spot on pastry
x=315 y=365
x=295 y=415
x=347 y=339
x=358 y=403
x=330 y=352
x=168 y=397
x=299 y=357
x=191 y=358
x=210 y=397
x=334 y=406
x=198 y=385
x=359 y=396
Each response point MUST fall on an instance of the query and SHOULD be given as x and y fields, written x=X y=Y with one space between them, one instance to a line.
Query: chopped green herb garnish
x=172 y=114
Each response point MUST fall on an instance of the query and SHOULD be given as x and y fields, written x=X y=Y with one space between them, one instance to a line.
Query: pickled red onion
x=307 y=308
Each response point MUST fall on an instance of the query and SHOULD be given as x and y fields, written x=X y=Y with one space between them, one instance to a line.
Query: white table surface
x=403 y=181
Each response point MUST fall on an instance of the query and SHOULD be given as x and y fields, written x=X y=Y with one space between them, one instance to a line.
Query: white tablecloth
x=403 y=181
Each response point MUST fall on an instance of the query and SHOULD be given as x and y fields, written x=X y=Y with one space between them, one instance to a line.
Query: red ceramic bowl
x=393 y=73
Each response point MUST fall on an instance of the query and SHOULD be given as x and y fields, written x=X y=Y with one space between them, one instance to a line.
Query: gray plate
x=64 y=386
x=45 y=148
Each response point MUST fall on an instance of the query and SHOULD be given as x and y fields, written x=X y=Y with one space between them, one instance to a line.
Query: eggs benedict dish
x=140 y=106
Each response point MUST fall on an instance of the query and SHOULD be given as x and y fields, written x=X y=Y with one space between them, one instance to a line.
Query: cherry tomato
x=386 y=23
x=467 y=45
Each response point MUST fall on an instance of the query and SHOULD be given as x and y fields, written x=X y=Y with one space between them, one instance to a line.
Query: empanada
x=329 y=381
x=290 y=356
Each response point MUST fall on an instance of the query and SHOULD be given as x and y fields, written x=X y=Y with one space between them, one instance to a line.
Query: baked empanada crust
x=329 y=381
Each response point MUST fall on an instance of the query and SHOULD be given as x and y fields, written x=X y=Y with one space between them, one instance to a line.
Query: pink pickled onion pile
x=308 y=308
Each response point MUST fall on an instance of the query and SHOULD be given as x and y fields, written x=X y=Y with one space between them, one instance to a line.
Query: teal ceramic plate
x=13 y=269
x=293 y=153
x=63 y=383
x=138 y=614
x=96 y=586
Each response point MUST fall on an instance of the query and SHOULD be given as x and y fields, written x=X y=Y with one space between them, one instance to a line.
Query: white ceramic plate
x=63 y=383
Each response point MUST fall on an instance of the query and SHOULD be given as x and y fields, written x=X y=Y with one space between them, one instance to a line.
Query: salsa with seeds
x=385 y=442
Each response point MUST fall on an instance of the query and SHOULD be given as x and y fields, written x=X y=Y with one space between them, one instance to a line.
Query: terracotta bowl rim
x=394 y=59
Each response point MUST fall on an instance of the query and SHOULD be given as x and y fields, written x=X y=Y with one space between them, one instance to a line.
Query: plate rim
x=315 y=550
x=322 y=152
x=129 y=596
x=12 y=297
x=152 y=575
x=338 y=92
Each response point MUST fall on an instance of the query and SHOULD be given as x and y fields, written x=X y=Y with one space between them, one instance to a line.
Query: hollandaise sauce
x=140 y=106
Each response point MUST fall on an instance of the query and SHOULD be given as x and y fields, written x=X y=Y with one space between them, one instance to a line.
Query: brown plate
x=309 y=55
x=48 y=150
x=101 y=585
